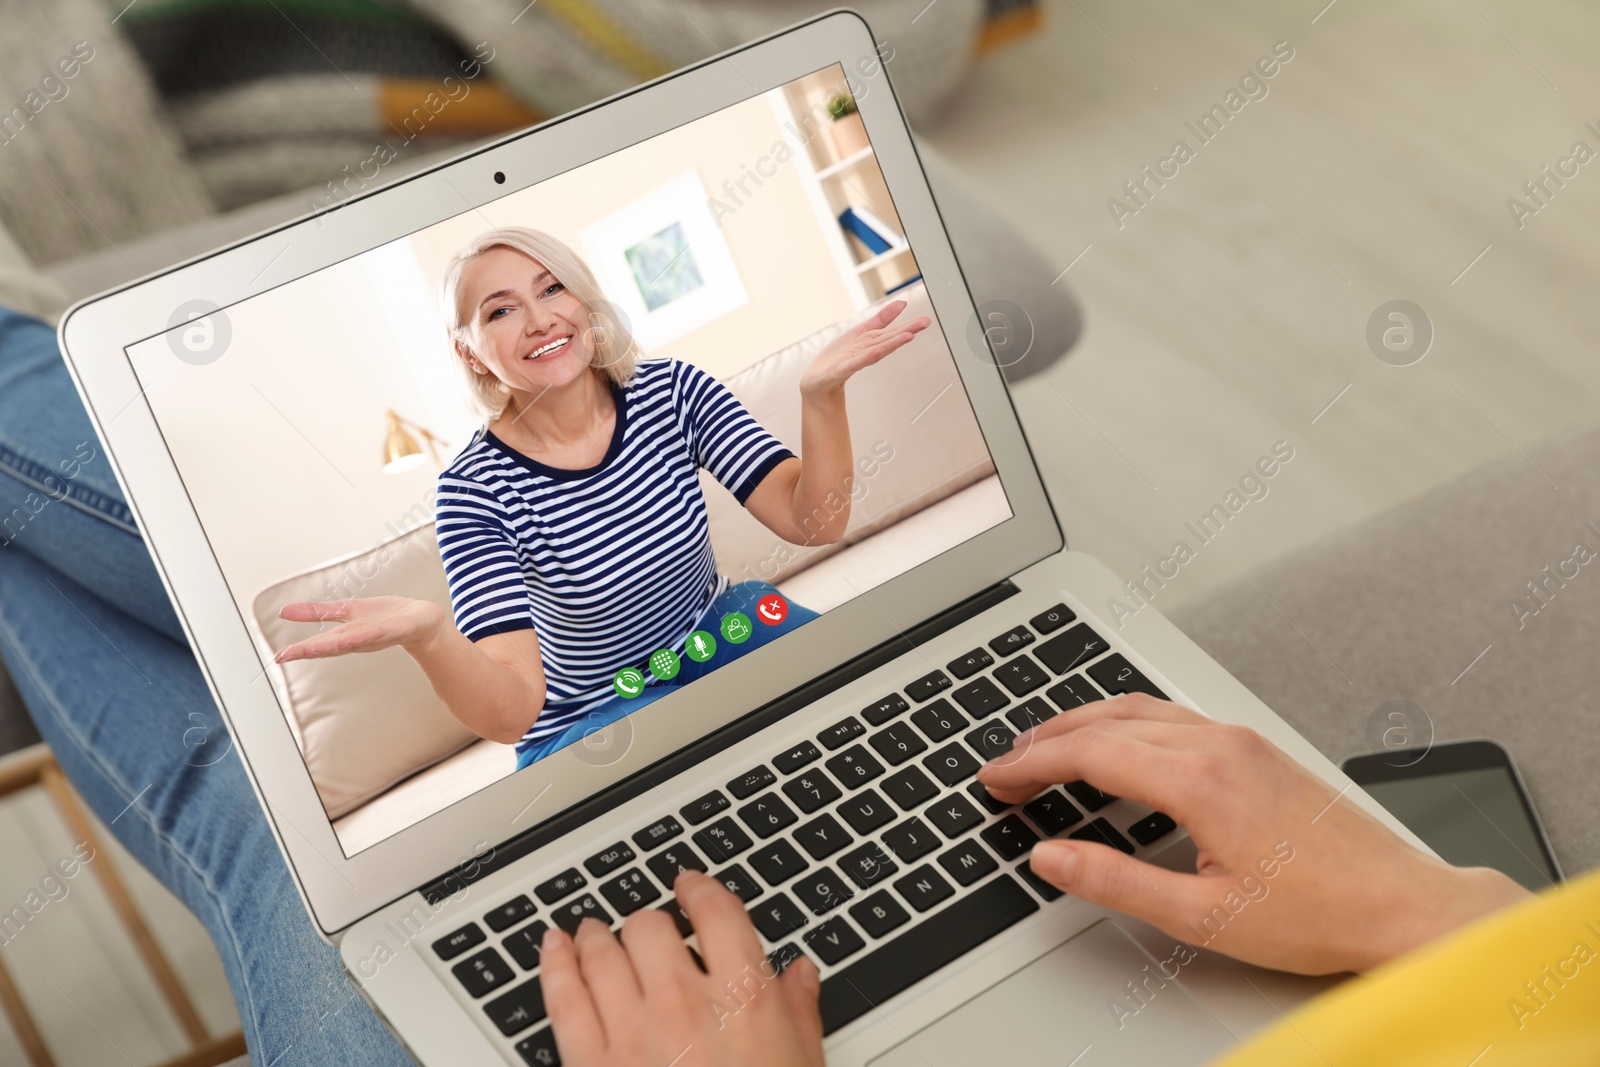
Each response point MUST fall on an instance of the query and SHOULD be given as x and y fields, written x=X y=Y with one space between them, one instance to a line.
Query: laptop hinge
x=586 y=811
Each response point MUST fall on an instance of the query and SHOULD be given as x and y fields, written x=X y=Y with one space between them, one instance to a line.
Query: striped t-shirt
x=609 y=564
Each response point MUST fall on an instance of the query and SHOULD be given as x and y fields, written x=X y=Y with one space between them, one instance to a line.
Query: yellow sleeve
x=1521 y=987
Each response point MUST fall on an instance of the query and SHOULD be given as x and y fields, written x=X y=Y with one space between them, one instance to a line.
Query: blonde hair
x=615 y=351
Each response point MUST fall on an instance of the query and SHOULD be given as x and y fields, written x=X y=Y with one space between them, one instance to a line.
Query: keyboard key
x=1052 y=812
x=822 y=837
x=968 y=862
x=777 y=917
x=867 y=811
x=698 y=811
x=923 y=888
x=911 y=840
x=574 y=911
x=455 y=943
x=605 y=862
x=739 y=883
x=630 y=891
x=980 y=698
x=517 y=1010
x=901 y=963
x=1010 y=837
x=885 y=709
x=1013 y=640
x=679 y=919
x=1117 y=676
x=1039 y=885
x=509 y=914
x=567 y=882
x=978 y=792
x=778 y=862
x=939 y=720
x=841 y=733
x=751 y=782
x=855 y=767
x=954 y=815
x=811 y=790
x=483 y=972
x=1152 y=828
x=1048 y=622
x=867 y=865
x=784 y=955
x=970 y=664
x=540 y=1049
x=1034 y=711
x=834 y=941
x=880 y=914
x=799 y=756
x=722 y=840
x=658 y=833
x=672 y=861
x=928 y=686
x=821 y=891
x=1020 y=675
x=910 y=788
x=951 y=764
x=991 y=740
x=767 y=815
x=1072 y=649
x=1087 y=795
x=1073 y=692
x=1105 y=834
x=898 y=743
x=524 y=945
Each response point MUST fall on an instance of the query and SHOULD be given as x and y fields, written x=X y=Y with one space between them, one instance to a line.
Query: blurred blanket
x=273 y=96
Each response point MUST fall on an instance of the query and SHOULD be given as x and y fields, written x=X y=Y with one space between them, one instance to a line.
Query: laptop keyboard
x=869 y=848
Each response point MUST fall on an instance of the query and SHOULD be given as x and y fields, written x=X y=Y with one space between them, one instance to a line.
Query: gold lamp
x=400 y=450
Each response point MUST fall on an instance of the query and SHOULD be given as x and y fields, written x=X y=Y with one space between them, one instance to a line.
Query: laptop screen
x=485 y=493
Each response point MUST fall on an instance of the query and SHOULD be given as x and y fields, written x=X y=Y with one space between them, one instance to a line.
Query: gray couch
x=1403 y=605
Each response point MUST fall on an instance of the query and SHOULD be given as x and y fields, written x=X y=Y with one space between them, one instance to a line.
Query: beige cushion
x=363 y=722
x=912 y=402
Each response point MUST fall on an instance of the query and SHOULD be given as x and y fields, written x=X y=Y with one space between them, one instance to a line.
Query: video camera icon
x=736 y=627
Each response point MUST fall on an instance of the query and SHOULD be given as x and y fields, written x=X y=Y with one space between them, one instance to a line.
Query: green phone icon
x=664 y=664
x=700 y=646
x=736 y=627
x=628 y=682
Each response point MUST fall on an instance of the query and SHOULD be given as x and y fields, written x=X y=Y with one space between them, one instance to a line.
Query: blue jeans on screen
x=742 y=597
x=91 y=640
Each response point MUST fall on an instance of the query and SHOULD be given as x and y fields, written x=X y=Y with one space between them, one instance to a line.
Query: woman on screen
x=573 y=530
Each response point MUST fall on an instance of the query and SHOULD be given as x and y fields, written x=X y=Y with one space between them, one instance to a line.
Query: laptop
x=279 y=412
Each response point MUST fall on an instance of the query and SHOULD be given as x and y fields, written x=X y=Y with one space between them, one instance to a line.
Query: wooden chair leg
x=38 y=767
x=117 y=891
x=22 y=1022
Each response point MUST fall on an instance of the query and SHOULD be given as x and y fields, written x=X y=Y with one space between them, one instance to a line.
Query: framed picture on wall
x=663 y=261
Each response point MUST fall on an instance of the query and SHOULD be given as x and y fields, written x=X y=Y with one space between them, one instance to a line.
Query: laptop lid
x=273 y=411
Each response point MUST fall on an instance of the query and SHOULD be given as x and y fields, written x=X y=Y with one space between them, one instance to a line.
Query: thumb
x=801 y=986
x=1102 y=875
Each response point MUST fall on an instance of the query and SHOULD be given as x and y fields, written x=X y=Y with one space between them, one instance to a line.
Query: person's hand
x=861 y=346
x=642 y=1002
x=1291 y=874
x=366 y=624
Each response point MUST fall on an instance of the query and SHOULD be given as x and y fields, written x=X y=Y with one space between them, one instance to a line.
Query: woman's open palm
x=861 y=346
x=365 y=624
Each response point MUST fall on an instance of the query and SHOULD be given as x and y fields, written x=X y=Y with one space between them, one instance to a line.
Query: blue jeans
x=742 y=597
x=92 y=643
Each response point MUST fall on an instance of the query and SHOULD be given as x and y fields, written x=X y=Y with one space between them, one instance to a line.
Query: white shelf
x=846 y=163
x=880 y=259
